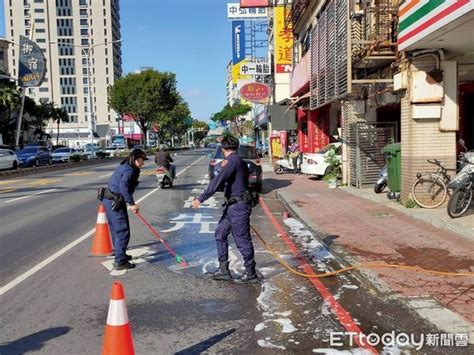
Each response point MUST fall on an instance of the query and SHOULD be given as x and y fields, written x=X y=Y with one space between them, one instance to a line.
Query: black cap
x=230 y=142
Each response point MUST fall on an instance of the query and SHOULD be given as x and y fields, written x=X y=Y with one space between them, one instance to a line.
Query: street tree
x=174 y=122
x=9 y=103
x=144 y=96
x=58 y=115
x=200 y=129
x=234 y=114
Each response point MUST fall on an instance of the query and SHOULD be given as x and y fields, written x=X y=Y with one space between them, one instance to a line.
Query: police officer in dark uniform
x=119 y=193
x=236 y=215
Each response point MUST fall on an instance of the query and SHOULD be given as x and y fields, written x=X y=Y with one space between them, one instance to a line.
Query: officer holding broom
x=236 y=215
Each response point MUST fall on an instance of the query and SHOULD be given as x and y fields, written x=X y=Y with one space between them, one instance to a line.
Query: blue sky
x=191 y=38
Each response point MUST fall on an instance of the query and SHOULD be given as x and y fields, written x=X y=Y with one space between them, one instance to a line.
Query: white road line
x=42 y=264
x=103 y=176
x=71 y=245
x=35 y=194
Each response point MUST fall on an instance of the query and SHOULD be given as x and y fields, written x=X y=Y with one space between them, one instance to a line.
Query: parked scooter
x=382 y=180
x=462 y=184
x=164 y=177
x=283 y=165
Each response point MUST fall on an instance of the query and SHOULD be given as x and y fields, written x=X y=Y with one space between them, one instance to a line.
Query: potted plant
x=335 y=172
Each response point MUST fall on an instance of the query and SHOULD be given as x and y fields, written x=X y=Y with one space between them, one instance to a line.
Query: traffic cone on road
x=101 y=244
x=118 y=337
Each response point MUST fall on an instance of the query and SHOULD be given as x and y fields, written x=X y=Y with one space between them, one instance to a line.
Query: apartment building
x=70 y=32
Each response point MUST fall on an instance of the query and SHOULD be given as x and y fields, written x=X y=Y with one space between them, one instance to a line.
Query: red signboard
x=254 y=3
x=255 y=92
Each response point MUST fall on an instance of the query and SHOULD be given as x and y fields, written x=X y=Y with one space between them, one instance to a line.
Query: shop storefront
x=436 y=109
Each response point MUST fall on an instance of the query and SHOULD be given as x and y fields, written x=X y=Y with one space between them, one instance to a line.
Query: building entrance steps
x=365 y=229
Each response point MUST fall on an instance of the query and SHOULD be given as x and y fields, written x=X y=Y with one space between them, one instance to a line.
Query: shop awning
x=299 y=101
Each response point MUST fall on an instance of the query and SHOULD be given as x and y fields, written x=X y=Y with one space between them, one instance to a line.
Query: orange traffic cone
x=101 y=244
x=118 y=337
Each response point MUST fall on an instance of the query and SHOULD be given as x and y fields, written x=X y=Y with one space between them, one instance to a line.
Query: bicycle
x=429 y=190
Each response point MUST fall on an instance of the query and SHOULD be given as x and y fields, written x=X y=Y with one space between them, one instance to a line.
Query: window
x=83 y=12
x=39 y=11
x=38 y=1
x=43 y=89
x=84 y=32
x=39 y=20
x=40 y=30
x=83 y=22
x=84 y=42
x=41 y=40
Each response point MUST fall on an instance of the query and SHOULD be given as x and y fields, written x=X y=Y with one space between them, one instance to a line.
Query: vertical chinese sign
x=283 y=40
x=31 y=64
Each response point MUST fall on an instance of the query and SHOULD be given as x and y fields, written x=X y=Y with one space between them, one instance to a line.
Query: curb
x=430 y=313
x=62 y=166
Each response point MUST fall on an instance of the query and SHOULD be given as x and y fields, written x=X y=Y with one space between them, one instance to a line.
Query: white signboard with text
x=235 y=12
x=260 y=68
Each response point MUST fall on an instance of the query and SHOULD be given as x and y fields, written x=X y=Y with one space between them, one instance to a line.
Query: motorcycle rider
x=163 y=158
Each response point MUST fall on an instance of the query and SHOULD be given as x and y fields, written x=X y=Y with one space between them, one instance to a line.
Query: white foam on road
x=267 y=344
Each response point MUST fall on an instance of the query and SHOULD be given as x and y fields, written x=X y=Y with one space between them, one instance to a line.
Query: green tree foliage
x=58 y=115
x=200 y=130
x=174 y=122
x=145 y=96
x=232 y=113
x=9 y=102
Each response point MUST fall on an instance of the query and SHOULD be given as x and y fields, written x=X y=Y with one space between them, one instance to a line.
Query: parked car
x=34 y=156
x=211 y=145
x=315 y=163
x=62 y=155
x=88 y=152
x=111 y=150
x=8 y=159
x=249 y=154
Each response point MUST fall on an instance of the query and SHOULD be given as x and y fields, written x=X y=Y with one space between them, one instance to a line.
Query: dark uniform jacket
x=163 y=158
x=124 y=181
x=234 y=173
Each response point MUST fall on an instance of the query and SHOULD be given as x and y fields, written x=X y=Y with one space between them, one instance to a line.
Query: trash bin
x=393 y=155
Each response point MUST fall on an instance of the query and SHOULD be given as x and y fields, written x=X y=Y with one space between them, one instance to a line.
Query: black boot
x=223 y=273
x=124 y=265
x=248 y=276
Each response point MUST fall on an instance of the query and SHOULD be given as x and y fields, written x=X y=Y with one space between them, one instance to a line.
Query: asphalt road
x=60 y=306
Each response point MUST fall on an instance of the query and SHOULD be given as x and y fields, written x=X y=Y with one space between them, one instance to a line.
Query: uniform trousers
x=236 y=219
x=119 y=226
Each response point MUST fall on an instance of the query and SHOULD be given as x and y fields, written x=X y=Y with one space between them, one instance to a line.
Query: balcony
x=374 y=33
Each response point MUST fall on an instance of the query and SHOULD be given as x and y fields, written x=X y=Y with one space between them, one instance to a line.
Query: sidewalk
x=359 y=229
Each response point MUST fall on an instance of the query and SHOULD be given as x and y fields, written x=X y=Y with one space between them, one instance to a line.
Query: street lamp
x=86 y=51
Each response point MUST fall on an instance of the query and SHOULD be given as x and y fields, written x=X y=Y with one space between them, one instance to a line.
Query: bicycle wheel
x=460 y=201
x=429 y=191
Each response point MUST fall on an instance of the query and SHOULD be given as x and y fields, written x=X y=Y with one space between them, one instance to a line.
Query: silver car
x=8 y=159
x=62 y=155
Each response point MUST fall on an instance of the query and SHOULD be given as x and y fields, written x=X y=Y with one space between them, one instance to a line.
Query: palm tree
x=59 y=114
x=9 y=102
